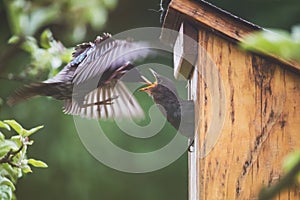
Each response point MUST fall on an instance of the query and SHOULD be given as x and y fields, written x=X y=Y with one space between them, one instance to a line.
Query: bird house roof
x=205 y=15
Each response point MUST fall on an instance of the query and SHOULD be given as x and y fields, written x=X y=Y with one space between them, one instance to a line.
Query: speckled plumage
x=90 y=84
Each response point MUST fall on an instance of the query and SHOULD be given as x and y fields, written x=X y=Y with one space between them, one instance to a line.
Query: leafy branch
x=8 y=157
x=13 y=157
x=27 y=18
x=47 y=55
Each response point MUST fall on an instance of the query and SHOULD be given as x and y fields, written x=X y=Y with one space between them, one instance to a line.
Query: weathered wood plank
x=261 y=121
x=220 y=21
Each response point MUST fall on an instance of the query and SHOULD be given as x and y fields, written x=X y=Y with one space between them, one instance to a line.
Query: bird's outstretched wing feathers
x=105 y=61
x=106 y=102
x=100 y=65
x=107 y=55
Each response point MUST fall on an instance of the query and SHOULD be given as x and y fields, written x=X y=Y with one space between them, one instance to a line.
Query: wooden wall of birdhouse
x=247 y=105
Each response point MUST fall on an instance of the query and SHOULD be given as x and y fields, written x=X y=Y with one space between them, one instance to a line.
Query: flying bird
x=90 y=85
x=179 y=112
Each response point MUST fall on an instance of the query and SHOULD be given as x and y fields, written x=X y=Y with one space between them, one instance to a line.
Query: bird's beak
x=154 y=73
x=149 y=85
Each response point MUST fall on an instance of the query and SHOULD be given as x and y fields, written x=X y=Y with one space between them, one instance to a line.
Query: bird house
x=247 y=104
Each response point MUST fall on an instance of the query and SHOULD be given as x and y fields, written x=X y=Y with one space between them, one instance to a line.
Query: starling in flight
x=90 y=84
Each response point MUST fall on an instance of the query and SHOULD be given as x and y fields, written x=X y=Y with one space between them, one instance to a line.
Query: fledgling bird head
x=161 y=86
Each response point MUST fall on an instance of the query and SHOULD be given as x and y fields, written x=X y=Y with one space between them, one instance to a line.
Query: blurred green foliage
x=13 y=157
x=290 y=162
x=289 y=180
x=27 y=17
x=276 y=42
x=48 y=56
x=73 y=173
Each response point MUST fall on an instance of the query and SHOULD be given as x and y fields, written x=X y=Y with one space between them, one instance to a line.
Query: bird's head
x=161 y=84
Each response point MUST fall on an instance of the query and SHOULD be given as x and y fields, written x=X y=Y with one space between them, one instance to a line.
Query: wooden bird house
x=247 y=105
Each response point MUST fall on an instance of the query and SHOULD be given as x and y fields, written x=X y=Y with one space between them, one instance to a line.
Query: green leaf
x=26 y=169
x=20 y=130
x=275 y=42
x=66 y=56
x=14 y=12
x=15 y=125
x=110 y=3
x=46 y=38
x=2 y=137
x=14 y=39
x=6 y=181
x=4 y=149
x=10 y=172
x=27 y=133
x=37 y=163
x=30 y=45
x=6 y=192
x=17 y=139
x=6 y=146
x=290 y=161
x=4 y=125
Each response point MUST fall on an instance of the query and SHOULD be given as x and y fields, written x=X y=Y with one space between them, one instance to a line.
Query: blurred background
x=73 y=173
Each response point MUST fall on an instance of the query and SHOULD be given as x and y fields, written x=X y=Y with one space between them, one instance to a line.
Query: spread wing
x=102 y=65
x=105 y=60
x=107 y=56
x=106 y=102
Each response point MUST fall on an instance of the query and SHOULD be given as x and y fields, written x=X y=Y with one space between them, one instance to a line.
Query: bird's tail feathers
x=31 y=90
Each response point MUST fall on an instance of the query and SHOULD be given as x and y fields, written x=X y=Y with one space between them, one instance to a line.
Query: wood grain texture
x=261 y=100
x=247 y=107
x=206 y=15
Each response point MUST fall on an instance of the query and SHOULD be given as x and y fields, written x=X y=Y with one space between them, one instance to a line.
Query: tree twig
x=8 y=157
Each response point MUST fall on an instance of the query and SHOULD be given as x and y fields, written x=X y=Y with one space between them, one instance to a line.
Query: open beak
x=149 y=85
